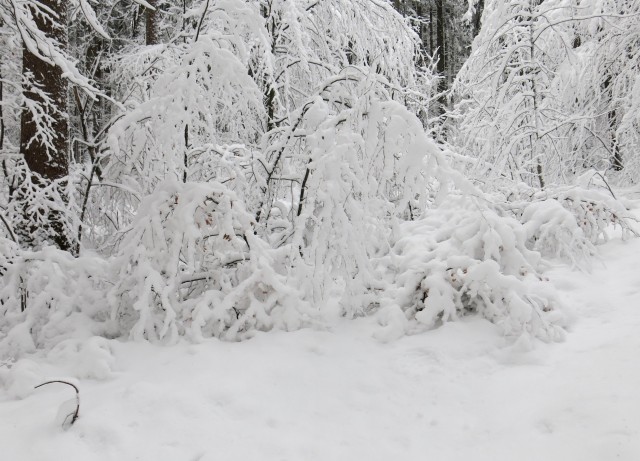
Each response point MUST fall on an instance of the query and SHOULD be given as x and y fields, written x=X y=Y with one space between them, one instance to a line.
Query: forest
x=205 y=172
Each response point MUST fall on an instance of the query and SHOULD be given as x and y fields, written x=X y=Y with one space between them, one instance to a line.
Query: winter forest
x=319 y=229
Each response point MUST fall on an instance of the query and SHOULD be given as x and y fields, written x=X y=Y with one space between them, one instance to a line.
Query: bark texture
x=151 y=23
x=44 y=137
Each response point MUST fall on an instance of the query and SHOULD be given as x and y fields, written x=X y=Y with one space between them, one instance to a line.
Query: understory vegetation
x=213 y=168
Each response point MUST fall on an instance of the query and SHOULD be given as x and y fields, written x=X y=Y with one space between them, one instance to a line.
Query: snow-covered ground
x=461 y=392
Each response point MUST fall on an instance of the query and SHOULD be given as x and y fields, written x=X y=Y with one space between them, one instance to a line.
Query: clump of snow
x=20 y=378
x=84 y=359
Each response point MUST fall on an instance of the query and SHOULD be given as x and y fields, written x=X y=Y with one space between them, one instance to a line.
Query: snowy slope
x=460 y=392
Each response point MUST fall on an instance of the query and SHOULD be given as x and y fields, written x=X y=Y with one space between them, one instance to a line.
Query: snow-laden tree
x=507 y=117
x=611 y=40
x=546 y=89
x=191 y=108
x=310 y=42
x=328 y=170
x=299 y=109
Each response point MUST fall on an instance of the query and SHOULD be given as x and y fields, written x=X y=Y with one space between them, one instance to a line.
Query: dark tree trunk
x=420 y=17
x=269 y=92
x=44 y=142
x=441 y=55
x=151 y=23
x=49 y=161
x=5 y=167
x=1 y=113
x=4 y=161
x=612 y=119
x=616 y=156
x=431 y=31
x=422 y=29
x=477 y=18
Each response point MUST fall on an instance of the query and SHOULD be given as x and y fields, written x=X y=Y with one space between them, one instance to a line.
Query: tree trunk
x=535 y=136
x=44 y=137
x=269 y=91
x=616 y=157
x=441 y=55
x=612 y=122
x=421 y=26
x=431 y=31
x=476 y=20
x=151 y=23
x=1 y=113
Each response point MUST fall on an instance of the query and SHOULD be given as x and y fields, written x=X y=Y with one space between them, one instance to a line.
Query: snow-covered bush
x=567 y=221
x=464 y=258
x=554 y=231
x=192 y=265
x=47 y=296
x=596 y=212
x=363 y=167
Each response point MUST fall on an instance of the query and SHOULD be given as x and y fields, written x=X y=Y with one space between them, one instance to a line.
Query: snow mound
x=84 y=359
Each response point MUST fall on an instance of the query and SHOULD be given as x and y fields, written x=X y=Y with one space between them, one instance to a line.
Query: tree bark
x=422 y=29
x=44 y=141
x=49 y=161
x=431 y=31
x=476 y=20
x=269 y=91
x=441 y=55
x=612 y=122
x=151 y=23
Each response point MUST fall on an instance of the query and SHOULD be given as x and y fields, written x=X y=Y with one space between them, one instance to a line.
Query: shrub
x=192 y=265
x=462 y=258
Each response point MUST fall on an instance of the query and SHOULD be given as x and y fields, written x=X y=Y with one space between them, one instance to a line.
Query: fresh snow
x=459 y=392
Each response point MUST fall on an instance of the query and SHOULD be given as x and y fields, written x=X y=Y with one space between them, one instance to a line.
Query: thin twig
x=6 y=224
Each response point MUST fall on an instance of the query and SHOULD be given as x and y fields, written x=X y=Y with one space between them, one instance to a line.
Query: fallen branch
x=75 y=414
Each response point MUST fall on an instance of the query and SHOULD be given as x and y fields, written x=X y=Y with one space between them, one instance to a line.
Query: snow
x=459 y=392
